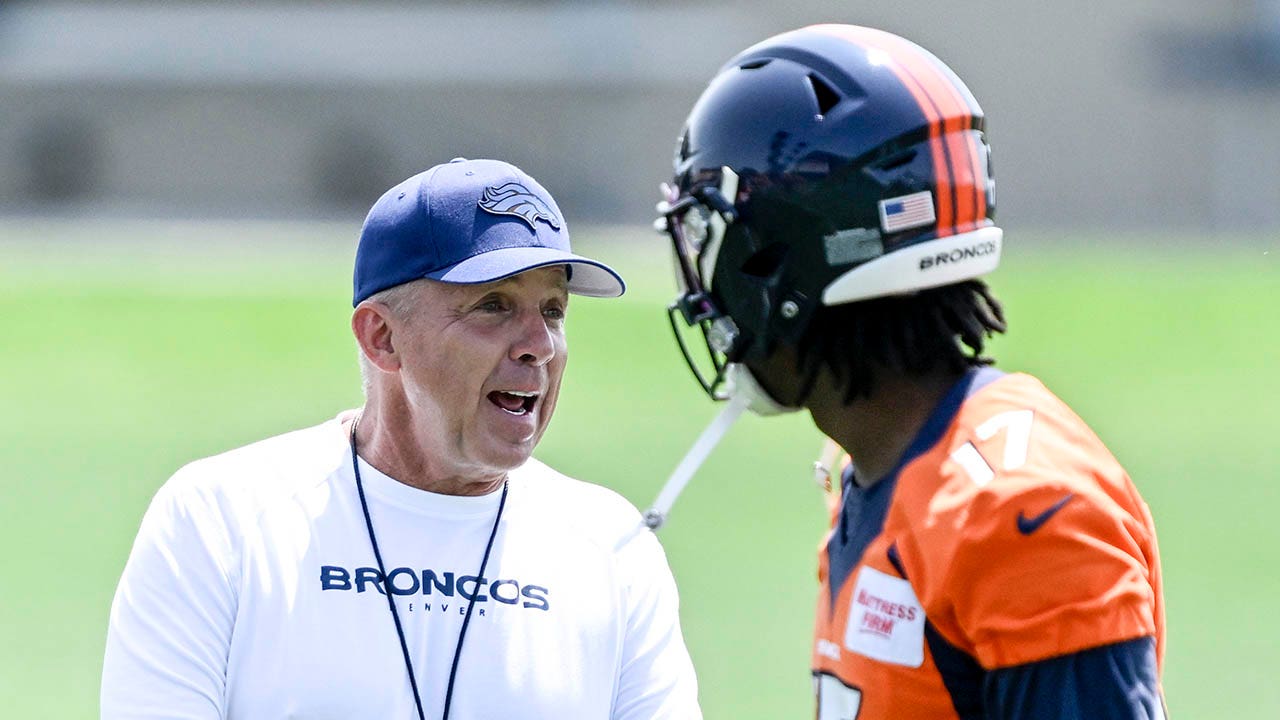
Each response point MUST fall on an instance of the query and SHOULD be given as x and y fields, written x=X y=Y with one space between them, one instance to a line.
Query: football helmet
x=825 y=165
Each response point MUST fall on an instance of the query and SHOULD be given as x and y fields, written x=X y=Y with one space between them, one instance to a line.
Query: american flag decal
x=907 y=211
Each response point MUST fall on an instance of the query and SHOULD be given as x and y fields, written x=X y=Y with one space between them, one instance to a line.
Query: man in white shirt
x=411 y=559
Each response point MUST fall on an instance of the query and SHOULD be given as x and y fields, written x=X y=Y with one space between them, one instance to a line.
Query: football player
x=831 y=215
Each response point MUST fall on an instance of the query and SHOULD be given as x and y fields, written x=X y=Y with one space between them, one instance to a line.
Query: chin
x=506 y=459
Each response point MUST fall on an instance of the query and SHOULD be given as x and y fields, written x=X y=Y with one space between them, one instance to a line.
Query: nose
x=535 y=343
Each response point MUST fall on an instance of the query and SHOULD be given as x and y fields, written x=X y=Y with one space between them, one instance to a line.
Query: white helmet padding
x=929 y=264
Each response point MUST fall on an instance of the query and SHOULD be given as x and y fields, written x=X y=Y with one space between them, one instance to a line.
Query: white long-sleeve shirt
x=252 y=592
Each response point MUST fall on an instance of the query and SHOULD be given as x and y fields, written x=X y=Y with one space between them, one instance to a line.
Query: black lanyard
x=391 y=603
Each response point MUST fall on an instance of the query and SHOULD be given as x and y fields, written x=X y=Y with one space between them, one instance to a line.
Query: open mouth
x=514 y=402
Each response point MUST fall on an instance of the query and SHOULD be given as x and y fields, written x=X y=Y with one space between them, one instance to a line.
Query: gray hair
x=400 y=300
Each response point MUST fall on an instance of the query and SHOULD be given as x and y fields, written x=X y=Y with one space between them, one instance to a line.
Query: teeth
x=518 y=393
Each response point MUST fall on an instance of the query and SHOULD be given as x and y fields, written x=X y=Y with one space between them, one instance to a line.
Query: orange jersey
x=1007 y=535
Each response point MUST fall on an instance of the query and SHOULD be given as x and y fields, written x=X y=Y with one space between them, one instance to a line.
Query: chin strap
x=742 y=386
x=744 y=394
x=656 y=515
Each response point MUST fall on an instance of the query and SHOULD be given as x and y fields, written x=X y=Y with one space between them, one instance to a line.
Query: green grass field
x=131 y=349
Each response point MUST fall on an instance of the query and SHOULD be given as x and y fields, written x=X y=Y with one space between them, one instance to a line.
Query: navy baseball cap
x=470 y=221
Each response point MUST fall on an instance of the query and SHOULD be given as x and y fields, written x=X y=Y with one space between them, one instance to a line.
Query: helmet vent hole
x=766 y=262
x=755 y=64
x=897 y=160
x=826 y=95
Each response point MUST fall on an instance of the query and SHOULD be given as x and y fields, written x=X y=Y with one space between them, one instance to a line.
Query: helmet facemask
x=696 y=223
x=735 y=325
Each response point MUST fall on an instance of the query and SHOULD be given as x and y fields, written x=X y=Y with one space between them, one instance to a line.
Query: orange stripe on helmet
x=963 y=178
x=980 y=180
x=949 y=114
x=967 y=175
x=971 y=191
x=955 y=115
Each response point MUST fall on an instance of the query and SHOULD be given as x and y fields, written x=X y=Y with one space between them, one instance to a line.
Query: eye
x=554 y=312
x=492 y=304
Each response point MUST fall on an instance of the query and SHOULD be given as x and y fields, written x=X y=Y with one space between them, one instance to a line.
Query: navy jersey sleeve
x=1112 y=682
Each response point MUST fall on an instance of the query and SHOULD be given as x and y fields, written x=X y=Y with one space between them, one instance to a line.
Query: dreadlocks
x=912 y=334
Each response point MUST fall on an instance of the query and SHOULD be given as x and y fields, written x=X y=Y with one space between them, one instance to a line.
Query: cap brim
x=589 y=277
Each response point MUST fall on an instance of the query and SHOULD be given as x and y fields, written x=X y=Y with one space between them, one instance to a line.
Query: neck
x=878 y=429
x=386 y=438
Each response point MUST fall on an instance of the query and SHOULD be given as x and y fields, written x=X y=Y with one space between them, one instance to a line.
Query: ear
x=371 y=324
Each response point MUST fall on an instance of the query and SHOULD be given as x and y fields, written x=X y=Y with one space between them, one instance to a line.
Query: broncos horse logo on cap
x=515 y=199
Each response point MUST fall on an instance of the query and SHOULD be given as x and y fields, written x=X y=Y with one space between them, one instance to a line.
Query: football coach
x=411 y=559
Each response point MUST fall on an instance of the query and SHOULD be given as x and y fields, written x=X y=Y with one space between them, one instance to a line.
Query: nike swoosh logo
x=1028 y=525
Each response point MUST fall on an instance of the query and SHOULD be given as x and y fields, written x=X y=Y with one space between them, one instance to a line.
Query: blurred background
x=1144 y=114
x=181 y=185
